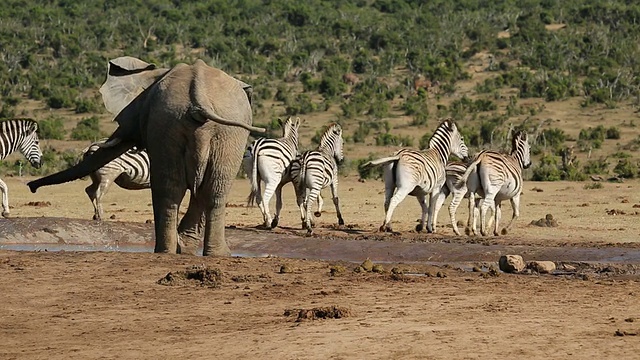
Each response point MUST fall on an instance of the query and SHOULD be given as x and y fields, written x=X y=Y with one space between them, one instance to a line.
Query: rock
x=367 y=265
x=511 y=263
x=377 y=268
x=542 y=267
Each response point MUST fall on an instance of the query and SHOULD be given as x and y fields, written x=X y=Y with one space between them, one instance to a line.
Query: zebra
x=21 y=135
x=267 y=160
x=420 y=173
x=497 y=177
x=316 y=169
x=130 y=171
x=454 y=171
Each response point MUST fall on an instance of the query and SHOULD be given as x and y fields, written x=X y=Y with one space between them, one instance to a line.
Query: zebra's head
x=520 y=148
x=447 y=135
x=290 y=128
x=30 y=145
x=332 y=141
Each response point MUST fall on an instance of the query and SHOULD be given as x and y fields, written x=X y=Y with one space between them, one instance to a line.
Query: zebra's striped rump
x=267 y=160
x=420 y=173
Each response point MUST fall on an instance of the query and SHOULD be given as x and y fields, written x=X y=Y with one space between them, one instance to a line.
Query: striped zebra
x=420 y=173
x=454 y=172
x=267 y=160
x=316 y=169
x=21 y=135
x=130 y=171
x=497 y=177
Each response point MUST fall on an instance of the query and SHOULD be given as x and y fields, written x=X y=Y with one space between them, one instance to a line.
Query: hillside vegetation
x=387 y=70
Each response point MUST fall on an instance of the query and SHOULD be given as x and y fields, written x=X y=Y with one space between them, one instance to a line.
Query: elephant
x=194 y=121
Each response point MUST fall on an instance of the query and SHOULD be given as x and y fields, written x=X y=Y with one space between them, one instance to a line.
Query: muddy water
x=57 y=234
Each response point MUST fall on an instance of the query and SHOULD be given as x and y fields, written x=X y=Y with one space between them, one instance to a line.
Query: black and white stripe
x=497 y=177
x=316 y=169
x=267 y=160
x=130 y=171
x=420 y=173
x=20 y=135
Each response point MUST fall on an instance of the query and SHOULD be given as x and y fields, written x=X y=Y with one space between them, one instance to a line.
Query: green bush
x=625 y=168
x=600 y=166
x=51 y=128
x=87 y=129
x=371 y=172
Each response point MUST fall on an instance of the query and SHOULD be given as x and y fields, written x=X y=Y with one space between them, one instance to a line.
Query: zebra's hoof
x=5 y=214
x=340 y=221
x=274 y=223
x=96 y=218
x=504 y=231
x=309 y=232
x=467 y=231
x=317 y=214
x=384 y=228
x=419 y=228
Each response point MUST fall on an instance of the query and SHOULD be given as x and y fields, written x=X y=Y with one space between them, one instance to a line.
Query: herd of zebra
x=486 y=179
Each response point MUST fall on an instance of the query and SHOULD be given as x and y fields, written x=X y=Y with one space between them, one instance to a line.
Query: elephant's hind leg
x=166 y=203
x=191 y=228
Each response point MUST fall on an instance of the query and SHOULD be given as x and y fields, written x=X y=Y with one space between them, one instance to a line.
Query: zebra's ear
x=280 y=123
x=33 y=126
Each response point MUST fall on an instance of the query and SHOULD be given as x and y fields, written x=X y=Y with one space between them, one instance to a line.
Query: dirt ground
x=112 y=305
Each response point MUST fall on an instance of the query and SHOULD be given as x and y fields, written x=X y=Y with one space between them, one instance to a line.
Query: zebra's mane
x=518 y=136
x=332 y=130
x=287 y=128
x=31 y=124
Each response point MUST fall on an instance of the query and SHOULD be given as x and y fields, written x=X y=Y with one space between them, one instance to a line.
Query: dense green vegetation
x=296 y=54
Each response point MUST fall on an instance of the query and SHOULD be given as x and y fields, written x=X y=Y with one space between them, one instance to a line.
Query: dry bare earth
x=109 y=305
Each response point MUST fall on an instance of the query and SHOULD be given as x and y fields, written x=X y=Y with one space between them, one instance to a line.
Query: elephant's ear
x=127 y=77
x=248 y=89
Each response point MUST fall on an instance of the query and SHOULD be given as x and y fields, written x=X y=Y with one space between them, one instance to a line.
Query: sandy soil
x=110 y=305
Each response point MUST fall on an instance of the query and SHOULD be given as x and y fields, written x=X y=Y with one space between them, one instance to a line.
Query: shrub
x=626 y=169
x=613 y=133
x=51 y=128
x=547 y=169
x=593 y=185
x=87 y=129
x=371 y=172
x=600 y=166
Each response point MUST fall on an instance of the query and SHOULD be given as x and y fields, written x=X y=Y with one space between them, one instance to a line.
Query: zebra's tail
x=255 y=181
x=463 y=179
x=378 y=162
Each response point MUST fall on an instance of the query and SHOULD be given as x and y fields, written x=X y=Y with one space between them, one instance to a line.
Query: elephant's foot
x=187 y=245
x=218 y=250
x=317 y=214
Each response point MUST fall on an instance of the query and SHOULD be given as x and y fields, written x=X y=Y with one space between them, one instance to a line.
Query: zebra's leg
x=276 y=218
x=269 y=188
x=434 y=208
x=103 y=187
x=312 y=195
x=487 y=203
x=320 y=204
x=471 y=220
x=497 y=215
x=336 y=201
x=5 y=199
x=91 y=193
x=302 y=195
x=422 y=200
x=515 y=204
x=396 y=199
x=458 y=195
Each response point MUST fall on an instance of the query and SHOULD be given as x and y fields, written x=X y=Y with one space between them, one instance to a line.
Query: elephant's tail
x=255 y=180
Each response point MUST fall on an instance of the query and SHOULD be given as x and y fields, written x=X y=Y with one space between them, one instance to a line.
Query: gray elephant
x=194 y=121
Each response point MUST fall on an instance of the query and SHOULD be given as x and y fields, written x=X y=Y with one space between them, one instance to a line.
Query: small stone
x=396 y=270
x=367 y=265
x=511 y=263
x=285 y=269
x=377 y=268
x=337 y=270
x=542 y=267
x=112 y=217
